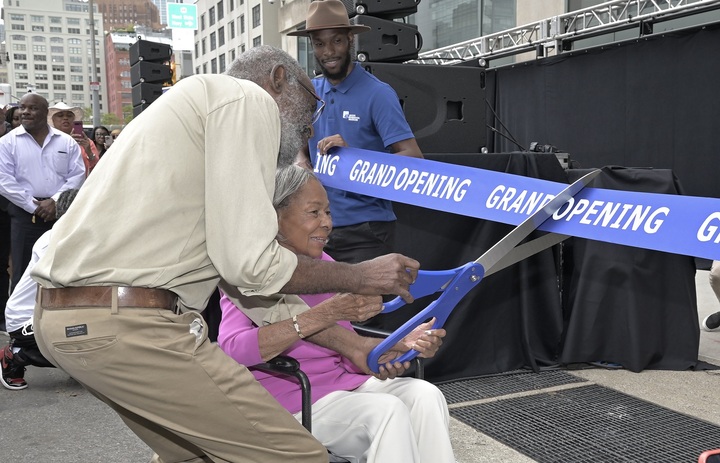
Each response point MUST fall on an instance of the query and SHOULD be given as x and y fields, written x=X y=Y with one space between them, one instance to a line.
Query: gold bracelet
x=297 y=327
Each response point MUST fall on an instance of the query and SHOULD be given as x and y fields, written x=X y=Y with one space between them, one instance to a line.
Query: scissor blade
x=505 y=245
x=526 y=250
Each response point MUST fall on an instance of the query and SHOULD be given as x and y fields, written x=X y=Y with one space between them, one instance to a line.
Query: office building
x=49 y=50
x=227 y=28
x=162 y=8
x=126 y=14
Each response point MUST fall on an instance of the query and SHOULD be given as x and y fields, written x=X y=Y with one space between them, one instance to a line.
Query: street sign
x=94 y=85
x=181 y=16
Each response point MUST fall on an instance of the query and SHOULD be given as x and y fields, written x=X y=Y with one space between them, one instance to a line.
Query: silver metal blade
x=493 y=255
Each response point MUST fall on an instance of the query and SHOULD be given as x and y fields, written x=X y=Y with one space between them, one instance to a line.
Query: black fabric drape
x=651 y=102
x=513 y=318
x=628 y=305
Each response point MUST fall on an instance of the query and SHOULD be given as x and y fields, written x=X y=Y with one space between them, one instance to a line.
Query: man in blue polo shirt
x=360 y=112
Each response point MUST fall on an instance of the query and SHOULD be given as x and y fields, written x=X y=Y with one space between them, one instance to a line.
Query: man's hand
x=329 y=142
x=45 y=209
x=388 y=274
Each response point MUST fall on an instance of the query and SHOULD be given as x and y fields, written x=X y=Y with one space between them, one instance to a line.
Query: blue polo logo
x=350 y=117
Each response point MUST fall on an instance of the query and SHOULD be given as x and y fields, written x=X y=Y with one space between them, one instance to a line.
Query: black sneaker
x=711 y=322
x=12 y=376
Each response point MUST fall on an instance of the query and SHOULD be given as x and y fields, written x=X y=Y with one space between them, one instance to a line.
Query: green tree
x=128 y=113
x=110 y=119
x=88 y=116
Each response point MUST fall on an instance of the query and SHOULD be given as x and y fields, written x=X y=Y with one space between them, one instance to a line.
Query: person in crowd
x=181 y=212
x=22 y=350
x=712 y=321
x=32 y=186
x=12 y=117
x=99 y=135
x=61 y=116
x=355 y=415
x=4 y=258
x=5 y=230
x=115 y=132
x=5 y=126
x=362 y=112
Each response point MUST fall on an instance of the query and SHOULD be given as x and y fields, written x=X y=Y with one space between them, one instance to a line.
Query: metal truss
x=550 y=33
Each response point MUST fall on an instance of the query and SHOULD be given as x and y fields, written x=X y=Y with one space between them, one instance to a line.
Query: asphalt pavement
x=55 y=420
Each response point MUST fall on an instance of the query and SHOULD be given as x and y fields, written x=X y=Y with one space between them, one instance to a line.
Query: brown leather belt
x=101 y=296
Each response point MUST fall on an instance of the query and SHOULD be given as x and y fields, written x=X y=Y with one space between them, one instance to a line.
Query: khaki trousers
x=176 y=390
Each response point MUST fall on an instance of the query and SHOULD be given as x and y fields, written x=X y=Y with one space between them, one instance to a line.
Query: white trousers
x=397 y=420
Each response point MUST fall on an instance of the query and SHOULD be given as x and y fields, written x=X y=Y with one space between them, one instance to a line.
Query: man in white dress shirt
x=37 y=163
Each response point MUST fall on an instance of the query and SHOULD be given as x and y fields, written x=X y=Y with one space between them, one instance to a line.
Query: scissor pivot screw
x=474 y=278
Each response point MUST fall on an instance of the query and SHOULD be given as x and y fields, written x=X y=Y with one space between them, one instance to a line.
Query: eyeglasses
x=319 y=110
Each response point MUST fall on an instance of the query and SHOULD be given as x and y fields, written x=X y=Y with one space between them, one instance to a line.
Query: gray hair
x=64 y=201
x=288 y=181
x=256 y=63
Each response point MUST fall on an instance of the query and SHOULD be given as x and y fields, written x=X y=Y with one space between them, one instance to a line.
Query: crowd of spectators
x=18 y=127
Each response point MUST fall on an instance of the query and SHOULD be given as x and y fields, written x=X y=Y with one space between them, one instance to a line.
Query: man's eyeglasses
x=319 y=110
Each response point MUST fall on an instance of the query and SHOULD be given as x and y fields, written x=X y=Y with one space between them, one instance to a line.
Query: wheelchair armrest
x=289 y=366
x=280 y=364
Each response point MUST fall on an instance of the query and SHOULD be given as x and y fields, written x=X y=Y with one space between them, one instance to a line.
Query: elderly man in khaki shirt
x=181 y=204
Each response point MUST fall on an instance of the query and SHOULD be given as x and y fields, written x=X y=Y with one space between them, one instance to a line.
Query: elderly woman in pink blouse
x=358 y=416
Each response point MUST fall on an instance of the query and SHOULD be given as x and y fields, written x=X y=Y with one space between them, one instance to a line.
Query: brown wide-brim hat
x=328 y=14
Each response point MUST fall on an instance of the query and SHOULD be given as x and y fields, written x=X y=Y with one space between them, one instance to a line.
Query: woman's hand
x=423 y=339
x=84 y=143
x=351 y=307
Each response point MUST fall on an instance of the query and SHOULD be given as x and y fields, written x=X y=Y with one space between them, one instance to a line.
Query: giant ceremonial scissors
x=454 y=284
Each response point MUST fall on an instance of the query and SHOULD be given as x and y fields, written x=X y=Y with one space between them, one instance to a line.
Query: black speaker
x=137 y=109
x=146 y=93
x=388 y=41
x=149 y=51
x=444 y=105
x=150 y=69
x=153 y=73
x=388 y=9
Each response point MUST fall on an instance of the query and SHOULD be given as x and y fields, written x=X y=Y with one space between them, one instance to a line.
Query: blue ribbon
x=686 y=225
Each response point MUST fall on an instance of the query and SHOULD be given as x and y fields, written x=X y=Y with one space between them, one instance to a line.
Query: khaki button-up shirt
x=183 y=201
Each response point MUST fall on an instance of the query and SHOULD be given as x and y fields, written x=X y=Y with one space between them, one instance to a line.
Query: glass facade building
x=447 y=22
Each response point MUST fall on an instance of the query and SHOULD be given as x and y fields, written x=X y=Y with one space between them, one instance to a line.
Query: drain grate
x=500 y=385
x=591 y=423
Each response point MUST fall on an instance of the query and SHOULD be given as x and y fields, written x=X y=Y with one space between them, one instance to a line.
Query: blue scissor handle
x=466 y=278
x=427 y=282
